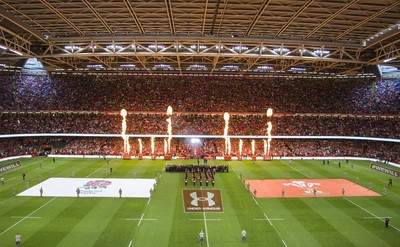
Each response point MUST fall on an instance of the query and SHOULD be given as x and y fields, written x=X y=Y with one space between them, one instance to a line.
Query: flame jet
x=169 y=130
x=152 y=145
x=269 y=129
x=140 y=146
x=127 y=148
x=240 y=147
x=227 y=141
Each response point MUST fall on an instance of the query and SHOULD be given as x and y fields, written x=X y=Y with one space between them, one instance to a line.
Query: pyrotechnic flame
x=127 y=148
x=226 y=117
x=140 y=146
x=240 y=147
x=152 y=145
x=169 y=111
x=269 y=135
x=165 y=147
x=169 y=130
x=253 y=147
x=227 y=141
x=265 y=147
x=269 y=112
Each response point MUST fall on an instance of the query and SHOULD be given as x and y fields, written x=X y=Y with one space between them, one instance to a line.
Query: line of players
x=203 y=174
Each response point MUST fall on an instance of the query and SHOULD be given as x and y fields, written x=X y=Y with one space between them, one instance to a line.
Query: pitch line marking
x=141 y=218
x=271 y=219
x=205 y=225
x=268 y=219
x=21 y=217
x=376 y=217
x=255 y=200
x=130 y=243
x=379 y=218
x=6 y=230
x=296 y=169
x=284 y=243
x=206 y=219
x=96 y=170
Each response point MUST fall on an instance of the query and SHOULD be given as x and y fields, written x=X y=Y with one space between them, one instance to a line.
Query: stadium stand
x=90 y=105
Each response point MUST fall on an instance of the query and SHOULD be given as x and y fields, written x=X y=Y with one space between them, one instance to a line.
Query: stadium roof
x=247 y=37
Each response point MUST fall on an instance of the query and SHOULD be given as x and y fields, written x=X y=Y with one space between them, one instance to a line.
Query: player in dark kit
x=390 y=182
x=387 y=220
x=186 y=181
x=212 y=182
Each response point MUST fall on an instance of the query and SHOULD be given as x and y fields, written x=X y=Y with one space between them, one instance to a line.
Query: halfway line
x=295 y=169
x=254 y=199
x=21 y=217
x=271 y=219
x=205 y=224
x=268 y=219
x=96 y=170
x=379 y=218
x=27 y=216
x=203 y=219
x=141 y=218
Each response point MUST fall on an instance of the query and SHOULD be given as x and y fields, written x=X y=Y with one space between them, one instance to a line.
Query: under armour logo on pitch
x=195 y=201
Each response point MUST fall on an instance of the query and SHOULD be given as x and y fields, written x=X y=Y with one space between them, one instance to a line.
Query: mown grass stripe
x=27 y=216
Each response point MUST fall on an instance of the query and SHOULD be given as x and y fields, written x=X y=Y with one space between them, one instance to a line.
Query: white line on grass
x=95 y=171
x=130 y=243
x=296 y=169
x=205 y=225
x=203 y=219
x=255 y=200
x=21 y=217
x=271 y=219
x=11 y=178
x=379 y=218
x=141 y=218
x=148 y=201
x=268 y=219
x=284 y=243
x=27 y=216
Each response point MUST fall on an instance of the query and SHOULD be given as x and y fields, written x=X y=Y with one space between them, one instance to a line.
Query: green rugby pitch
x=162 y=221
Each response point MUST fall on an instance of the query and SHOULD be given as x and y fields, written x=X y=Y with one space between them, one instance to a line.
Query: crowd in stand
x=13 y=123
x=190 y=95
x=183 y=148
x=199 y=94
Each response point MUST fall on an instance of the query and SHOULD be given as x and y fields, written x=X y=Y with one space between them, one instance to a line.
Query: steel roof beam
x=60 y=15
x=290 y=21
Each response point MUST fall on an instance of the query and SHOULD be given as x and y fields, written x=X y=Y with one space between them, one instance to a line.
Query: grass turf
x=49 y=221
